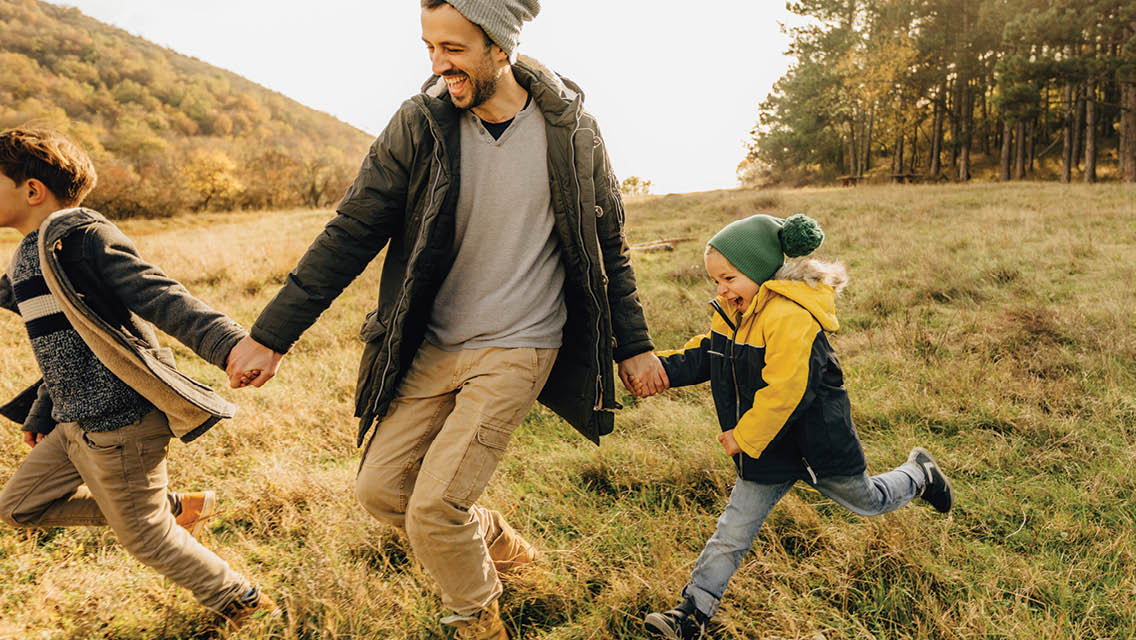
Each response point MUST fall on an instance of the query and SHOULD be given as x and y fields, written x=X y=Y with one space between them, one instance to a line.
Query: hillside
x=988 y=323
x=168 y=132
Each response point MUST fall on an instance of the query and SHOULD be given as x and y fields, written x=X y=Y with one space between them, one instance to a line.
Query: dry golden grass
x=991 y=323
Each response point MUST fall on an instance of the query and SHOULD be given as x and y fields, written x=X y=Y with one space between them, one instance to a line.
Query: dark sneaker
x=936 y=486
x=684 y=622
x=250 y=606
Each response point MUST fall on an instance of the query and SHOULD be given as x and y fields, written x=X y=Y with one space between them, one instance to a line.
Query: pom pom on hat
x=800 y=236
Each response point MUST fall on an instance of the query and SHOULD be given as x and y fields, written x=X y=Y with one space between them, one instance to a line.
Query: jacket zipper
x=587 y=263
x=404 y=288
x=809 y=469
x=734 y=375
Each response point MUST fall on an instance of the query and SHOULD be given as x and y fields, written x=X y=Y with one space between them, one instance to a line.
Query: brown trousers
x=433 y=454
x=117 y=479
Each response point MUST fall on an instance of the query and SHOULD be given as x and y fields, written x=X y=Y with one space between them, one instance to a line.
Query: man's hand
x=643 y=375
x=32 y=438
x=728 y=443
x=251 y=363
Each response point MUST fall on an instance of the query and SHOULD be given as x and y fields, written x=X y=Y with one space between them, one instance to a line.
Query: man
x=506 y=277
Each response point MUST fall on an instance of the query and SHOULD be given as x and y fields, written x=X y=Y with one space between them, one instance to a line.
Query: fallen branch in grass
x=659 y=245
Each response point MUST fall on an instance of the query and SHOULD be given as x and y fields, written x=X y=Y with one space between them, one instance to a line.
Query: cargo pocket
x=479 y=462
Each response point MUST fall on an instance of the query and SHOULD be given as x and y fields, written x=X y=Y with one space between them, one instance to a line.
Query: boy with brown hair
x=100 y=420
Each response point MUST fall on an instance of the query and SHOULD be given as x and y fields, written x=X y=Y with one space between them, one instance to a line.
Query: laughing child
x=780 y=398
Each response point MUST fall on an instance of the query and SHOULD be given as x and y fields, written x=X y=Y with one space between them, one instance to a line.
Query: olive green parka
x=404 y=199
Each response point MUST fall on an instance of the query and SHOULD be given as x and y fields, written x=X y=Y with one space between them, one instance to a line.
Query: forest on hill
x=168 y=133
x=1023 y=89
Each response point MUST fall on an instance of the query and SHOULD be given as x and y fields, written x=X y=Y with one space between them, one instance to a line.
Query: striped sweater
x=82 y=389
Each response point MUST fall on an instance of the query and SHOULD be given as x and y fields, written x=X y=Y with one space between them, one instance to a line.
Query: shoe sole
x=656 y=624
x=208 y=509
x=946 y=480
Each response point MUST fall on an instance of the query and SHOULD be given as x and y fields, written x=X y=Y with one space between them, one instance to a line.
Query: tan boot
x=508 y=550
x=484 y=625
x=196 y=509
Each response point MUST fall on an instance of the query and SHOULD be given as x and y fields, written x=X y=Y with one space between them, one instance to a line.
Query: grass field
x=992 y=324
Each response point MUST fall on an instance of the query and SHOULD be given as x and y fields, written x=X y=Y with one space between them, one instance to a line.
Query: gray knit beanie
x=501 y=19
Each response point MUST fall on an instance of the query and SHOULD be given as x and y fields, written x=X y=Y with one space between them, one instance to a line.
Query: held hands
x=251 y=363
x=728 y=443
x=643 y=375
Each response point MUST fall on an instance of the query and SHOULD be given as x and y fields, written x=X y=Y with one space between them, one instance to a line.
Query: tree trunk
x=1078 y=126
x=866 y=163
x=1090 y=132
x=933 y=161
x=1067 y=136
x=985 y=119
x=1007 y=140
x=1128 y=132
x=897 y=158
x=914 y=147
x=1031 y=142
x=956 y=117
x=1020 y=150
x=852 y=155
x=967 y=112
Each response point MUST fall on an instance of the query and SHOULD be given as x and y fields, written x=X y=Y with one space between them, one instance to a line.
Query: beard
x=482 y=86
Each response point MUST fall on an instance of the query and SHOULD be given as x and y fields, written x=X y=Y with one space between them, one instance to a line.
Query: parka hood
x=811 y=284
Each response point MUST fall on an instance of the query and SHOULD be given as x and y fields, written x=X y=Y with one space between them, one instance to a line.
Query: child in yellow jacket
x=779 y=393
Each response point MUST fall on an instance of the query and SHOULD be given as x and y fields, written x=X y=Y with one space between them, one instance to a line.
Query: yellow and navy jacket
x=776 y=381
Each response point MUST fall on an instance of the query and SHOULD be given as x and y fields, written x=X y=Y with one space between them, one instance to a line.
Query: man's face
x=459 y=54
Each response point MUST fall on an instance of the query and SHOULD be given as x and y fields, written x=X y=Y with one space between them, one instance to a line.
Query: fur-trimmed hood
x=810 y=283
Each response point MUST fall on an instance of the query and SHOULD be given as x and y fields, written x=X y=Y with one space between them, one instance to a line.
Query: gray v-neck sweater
x=506 y=287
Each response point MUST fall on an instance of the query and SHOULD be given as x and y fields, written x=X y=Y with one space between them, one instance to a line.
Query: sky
x=674 y=85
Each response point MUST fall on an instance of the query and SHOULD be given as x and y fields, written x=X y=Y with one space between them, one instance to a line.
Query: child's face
x=733 y=285
x=13 y=202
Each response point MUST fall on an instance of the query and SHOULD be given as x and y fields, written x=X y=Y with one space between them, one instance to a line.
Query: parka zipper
x=734 y=375
x=403 y=290
x=809 y=469
x=587 y=263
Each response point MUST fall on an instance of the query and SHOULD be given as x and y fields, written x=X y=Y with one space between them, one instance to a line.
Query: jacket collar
x=63 y=222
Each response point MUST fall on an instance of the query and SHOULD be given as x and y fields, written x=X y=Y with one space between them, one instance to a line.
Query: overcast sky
x=674 y=85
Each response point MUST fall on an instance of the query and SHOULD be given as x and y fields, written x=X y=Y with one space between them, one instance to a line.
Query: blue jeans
x=751 y=502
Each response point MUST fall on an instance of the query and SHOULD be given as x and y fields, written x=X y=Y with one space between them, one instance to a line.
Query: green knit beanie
x=757 y=245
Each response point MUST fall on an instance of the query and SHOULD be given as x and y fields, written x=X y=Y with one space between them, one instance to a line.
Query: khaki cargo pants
x=117 y=479
x=433 y=454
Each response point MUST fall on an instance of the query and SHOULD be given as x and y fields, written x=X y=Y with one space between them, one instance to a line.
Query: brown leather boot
x=508 y=550
x=196 y=509
x=484 y=625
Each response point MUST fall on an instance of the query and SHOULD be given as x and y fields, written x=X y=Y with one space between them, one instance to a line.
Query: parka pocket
x=373 y=327
x=481 y=457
